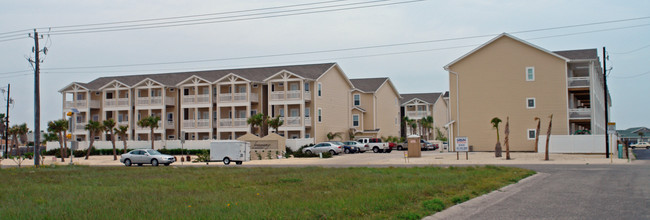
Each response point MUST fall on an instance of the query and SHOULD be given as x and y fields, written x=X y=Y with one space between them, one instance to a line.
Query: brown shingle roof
x=427 y=97
x=368 y=84
x=579 y=54
x=258 y=74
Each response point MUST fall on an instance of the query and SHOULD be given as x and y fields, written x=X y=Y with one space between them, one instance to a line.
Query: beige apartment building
x=312 y=100
x=375 y=108
x=509 y=77
x=418 y=106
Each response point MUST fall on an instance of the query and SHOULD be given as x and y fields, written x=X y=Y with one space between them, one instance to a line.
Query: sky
x=320 y=31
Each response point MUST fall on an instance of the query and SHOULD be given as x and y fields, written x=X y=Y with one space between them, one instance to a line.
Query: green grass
x=242 y=193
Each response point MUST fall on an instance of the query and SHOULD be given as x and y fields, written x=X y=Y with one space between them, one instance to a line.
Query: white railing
x=416 y=114
x=142 y=101
x=253 y=97
x=202 y=99
x=226 y=122
x=123 y=102
x=277 y=95
x=122 y=123
x=580 y=113
x=69 y=104
x=291 y=121
x=307 y=95
x=293 y=94
x=156 y=100
x=137 y=127
x=188 y=123
x=169 y=124
x=170 y=100
x=577 y=82
x=188 y=99
x=203 y=123
x=307 y=121
x=239 y=122
x=80 y=103
x=94 y=103
x=225 y=97
x=239 y=97
x=80 y=126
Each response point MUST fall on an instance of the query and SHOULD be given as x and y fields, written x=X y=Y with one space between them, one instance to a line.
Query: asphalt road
x=642 y=154
x=567 y=192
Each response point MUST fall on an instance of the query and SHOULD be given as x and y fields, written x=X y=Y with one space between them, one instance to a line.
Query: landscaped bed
x=242 y=193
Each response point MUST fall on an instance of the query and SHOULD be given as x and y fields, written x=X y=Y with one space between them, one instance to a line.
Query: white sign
x=611 y=128
x=462 y=144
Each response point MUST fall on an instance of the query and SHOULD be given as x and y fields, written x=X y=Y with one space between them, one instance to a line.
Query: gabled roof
x=446 y=67
x=430 y=98
x=82 y=85
x=584 y=54
x=368 y=85
x=256 y=74
x=633 y=132
x=446 y=95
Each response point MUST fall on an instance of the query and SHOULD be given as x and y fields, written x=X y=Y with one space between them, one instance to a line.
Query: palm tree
x=506 y=141
x=94 y=128
x=152 y=123
x=548 y=136
x=122 y=131
x=2 y=124
x=640 y=133
x=256 y=121
x=13 y=132
x=60 y=127
x=331 y=135
x=108 y=126
x=539 y=122
x=411 y=123
x=429 y=125
x=275 y=123
x=495 y=124
x=351 y=133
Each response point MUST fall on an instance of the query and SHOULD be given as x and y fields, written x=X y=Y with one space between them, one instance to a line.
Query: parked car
x=148 y=156
x=323 y=147
x=348 y=149
x=362 y=147
x=424 y=146
x=376 y=145
x=645 y=145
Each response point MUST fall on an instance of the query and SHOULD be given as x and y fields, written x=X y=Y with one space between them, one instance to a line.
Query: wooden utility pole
x=37 y=102
x=7 y=121
x=606 y=100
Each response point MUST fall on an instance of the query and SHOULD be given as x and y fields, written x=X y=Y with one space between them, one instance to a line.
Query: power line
x=12 y=39
x=17 y=31
x=632 y=51
x=211 y=20
x=632 y=76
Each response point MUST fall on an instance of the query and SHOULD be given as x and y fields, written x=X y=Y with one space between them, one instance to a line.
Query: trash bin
x=620 y=151
x=413 y=143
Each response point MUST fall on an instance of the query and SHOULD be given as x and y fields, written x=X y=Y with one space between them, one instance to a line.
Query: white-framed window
x=307 y=112
x=355 y=120
x=320 y=115
x=530 y=103
x=531 y=134
x=171 y=137
x=357 y=99
x=320 y=88
x=281 y=112
x=307 y=86
x=253 y=112
x=170 y=116
x=530 y=73
x=307 y=136
x=280 y=84
x=254 y=85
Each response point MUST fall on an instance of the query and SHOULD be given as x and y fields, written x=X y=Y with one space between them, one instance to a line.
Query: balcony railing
x=253 y=97
x=239 y=122
x=81 y=104
x=291 y=121
x=277 y=95
x=293 y=95
x=229 y=122
x=307 y=95
x=196 y=99
x=307 y=121
x=226 y=122
x=155 y=100
x=580 y=113
x=122 y=123
x=200 y=123
x=189 y=123
x=169 y=124
x=80 y=126
x=121 y=102
x=578 y=82
x=416 y=114
x=290 y=95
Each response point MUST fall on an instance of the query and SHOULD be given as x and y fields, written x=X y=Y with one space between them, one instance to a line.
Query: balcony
x=230 y=123
x=307 y=121
x=290 y=95
x=169 y=124
x=121 y=102
x=578 y=82
x=416 y=114
x=80 y=126
x=81 y=104
x=155 y=101
x=293 y=95
x=200 y=123
x=277 y=96
x=307 y=95
x=138 y=128
x=196 y=99
x=291 y=121
x=580 y=113
x=122 y=123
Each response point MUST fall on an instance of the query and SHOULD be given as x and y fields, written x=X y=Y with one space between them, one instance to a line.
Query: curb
x=467 y=209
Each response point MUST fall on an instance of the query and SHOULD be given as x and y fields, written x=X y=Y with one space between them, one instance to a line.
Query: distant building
x=633 y=135
x=375 y=108
x=417 y=106
x=509 y=77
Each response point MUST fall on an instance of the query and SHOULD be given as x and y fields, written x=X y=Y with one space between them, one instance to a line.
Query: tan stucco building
x=417 y=106
x=375 y=108
x=509 y=77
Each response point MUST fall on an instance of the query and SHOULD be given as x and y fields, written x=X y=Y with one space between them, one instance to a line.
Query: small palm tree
x=122 y=131
x=94 y=128
x=351 y=133
x=495 y=124
x=60 y=128
x=108 y=126
x=539 y=122
x=3 y=126
x=640 y=133
x=255 y=121
x=275 y=123
x=152 y=123
x=13 y=132
x=428 y=126
x=22 y=133
x=331 y=135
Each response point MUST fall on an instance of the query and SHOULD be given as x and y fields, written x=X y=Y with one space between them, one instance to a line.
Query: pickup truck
x=645 y=145
x=376 y=145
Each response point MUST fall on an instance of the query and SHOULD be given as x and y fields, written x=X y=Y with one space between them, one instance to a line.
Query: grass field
x=242 y=193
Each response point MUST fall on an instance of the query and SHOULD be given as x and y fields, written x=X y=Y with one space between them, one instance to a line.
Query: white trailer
x=230 y=150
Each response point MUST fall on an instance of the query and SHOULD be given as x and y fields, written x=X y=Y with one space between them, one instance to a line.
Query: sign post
x=462 y=145
x=182 y=137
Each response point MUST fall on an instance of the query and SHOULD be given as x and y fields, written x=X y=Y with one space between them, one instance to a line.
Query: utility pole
x=606 y=100
x=7 y=121
x=37 y=101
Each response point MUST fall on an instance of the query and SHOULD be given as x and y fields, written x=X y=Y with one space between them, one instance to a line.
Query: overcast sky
x=411 y=71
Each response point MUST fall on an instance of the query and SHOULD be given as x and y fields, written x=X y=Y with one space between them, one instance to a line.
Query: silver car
x=362 y=147
x=323 y=147
x=148 y=156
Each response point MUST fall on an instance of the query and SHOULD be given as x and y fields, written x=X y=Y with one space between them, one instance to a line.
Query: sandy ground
x=369 y=158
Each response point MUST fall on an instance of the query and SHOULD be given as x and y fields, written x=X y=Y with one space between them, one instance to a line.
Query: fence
x=576 y=144
x=169 y=144
x=295 y=144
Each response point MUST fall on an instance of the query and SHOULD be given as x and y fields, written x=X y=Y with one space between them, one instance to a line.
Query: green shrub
x=29 y=155
x=204 y=156
x=459 y=199
x=434 y=205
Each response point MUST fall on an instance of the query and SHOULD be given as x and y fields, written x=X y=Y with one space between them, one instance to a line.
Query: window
x=306 y=135
x=281 y=84
x=281 y=112
x=355 y=120
x=242 y=89
x=357 y=99
x=254 y=85
x=171 y=137
x=254 y=112
x=307 y=110
x=80 y=96
x=530 y=102
x=307 y=87
x=320 y=87
x=531 y=134
x=320 y=115
x=530 y=73
x=294 y=112
x=170 y=116
x=294 y=86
